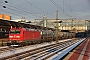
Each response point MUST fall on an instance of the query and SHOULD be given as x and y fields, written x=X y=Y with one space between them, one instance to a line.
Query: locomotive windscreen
x=14 y=31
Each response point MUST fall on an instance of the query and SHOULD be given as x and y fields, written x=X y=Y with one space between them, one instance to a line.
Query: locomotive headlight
x=10 y=36
x=17 y=36
x=41 y=32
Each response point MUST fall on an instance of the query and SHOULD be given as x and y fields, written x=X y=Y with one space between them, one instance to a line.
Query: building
x=5 y=17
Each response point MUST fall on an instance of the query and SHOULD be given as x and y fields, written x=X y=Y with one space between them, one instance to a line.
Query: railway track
x=6 y=49
x=3 y=49
x=41 y=53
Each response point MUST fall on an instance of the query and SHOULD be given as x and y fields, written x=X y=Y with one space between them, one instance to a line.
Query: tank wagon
x=23 y=36
x=84 y=34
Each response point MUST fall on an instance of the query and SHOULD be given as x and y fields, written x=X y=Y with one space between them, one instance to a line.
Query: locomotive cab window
x=15 y=32
x=12 y=31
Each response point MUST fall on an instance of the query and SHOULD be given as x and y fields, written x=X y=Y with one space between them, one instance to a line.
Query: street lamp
x=4 y=6
x=5 y=2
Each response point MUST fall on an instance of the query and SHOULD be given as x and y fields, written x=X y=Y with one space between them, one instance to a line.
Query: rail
x=42 y=52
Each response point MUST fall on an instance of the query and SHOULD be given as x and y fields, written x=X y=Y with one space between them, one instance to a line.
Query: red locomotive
x=23 y=36
x=20 y=35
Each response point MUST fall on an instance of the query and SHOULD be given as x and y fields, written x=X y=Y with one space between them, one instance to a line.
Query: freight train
x=84 y=34
x=25 y=36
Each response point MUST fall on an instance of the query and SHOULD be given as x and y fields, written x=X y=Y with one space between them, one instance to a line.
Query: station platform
x=82 y=52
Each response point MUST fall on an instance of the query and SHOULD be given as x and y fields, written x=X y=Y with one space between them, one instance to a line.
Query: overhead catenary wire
x=60 y=8
x=39 y=8
x=36 y=6
x=10 y=13
x=26 y=11
x=11 y=7
x=23 y=11
x=29 y=12
x=15 y=9
x=69 y=7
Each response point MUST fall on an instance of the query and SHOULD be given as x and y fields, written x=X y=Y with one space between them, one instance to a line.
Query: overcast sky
x=33 y=9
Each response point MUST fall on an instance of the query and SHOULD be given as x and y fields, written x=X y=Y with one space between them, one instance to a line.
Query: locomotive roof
x=25 y=29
